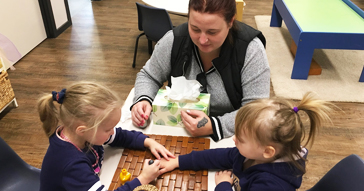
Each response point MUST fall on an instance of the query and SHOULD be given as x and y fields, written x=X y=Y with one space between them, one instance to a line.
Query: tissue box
x=166 y=112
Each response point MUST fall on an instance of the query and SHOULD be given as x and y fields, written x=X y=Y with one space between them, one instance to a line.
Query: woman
x=226 y=56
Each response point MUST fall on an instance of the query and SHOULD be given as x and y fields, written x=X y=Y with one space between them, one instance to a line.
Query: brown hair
x=274 y=121
x=87 y=103
x=226 y=8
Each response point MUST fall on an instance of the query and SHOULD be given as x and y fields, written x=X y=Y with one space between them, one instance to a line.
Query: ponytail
x=317 y=112
x=290 y=132
x=48 y=114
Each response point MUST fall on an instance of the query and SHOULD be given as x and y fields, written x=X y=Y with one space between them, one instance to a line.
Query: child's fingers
x=156 y=163
x=166 y=154
x=227 y=172
x=170 y=154
x=154 y=166
x=163 y=170
x=146 y=161
x=156 y=154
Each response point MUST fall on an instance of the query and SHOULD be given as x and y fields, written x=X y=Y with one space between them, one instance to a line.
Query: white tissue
x=183 y=89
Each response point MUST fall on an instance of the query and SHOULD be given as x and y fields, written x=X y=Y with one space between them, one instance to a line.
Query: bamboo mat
x=176 y=180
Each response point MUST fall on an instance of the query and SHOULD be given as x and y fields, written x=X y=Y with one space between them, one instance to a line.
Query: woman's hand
x=140 y=113
x=157 y=149
x=223 y=176
x=197 y=123
x=166 y=166
x=150 y=172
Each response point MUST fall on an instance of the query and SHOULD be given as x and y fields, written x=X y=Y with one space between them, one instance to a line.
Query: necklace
x=95 y=166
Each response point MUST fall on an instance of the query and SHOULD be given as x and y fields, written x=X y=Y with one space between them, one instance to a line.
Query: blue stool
x=361 y=79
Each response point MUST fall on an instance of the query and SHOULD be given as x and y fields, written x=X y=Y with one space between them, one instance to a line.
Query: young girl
x=268 y=153
x=84 y=121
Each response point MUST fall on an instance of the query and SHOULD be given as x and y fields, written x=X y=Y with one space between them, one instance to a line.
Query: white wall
x=21 y=22
x=59 y=12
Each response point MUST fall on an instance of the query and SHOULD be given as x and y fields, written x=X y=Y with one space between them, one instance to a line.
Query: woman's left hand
x=157 y=149
x=197 y=123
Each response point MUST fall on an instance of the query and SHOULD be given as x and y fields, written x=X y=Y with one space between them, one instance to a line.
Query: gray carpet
x=341 y=69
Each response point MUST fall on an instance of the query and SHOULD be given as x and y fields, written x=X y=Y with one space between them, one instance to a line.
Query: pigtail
x=317 y=112
x=48 y=114
x=289 y=130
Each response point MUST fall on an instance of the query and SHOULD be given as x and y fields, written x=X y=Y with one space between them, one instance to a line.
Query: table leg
x=276 y=18
x=315 y=68
x=361 y=79
x=302 y=61
x=15 y=102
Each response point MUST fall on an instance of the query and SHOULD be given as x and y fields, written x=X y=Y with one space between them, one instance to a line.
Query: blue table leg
x=276 y=18
x=361 y=79
x=302 y=61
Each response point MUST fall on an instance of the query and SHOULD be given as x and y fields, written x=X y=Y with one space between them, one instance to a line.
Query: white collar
x=302 y=153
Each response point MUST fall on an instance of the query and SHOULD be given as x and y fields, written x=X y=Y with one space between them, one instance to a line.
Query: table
x=112 y=155
x=180 y=7
x=323 y=24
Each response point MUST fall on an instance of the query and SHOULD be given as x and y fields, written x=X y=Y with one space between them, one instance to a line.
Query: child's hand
x=223 y=176
x=166 y=166
x=157 y=149
x=150 y=172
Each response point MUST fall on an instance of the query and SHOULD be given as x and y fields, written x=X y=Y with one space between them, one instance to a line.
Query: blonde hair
x=274 y=121
x=85 y=103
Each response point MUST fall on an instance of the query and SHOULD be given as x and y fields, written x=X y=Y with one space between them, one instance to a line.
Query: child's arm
x=157 y=149
x=221 y=158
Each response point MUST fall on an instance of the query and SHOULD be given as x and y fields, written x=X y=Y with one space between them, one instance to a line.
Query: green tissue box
x=167 y=112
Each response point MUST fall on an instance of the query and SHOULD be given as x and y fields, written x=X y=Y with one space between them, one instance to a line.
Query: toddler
x=268 y=154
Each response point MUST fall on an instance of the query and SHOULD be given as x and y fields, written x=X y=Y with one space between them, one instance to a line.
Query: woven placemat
x=176 y=180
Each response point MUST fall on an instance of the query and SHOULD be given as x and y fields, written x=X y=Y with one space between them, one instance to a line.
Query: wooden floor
x=99 y=46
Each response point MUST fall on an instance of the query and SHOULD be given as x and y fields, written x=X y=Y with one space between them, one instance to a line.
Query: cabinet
x=7 y=95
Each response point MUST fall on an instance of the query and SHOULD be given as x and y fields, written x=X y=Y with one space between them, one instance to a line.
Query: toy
x=124 y=176
x=151 y=162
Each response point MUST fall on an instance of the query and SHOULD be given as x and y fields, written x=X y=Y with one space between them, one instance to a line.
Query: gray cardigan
x=255 y=81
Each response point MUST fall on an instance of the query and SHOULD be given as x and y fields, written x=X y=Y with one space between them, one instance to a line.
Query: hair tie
x=59 y=96
x=295 y=109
